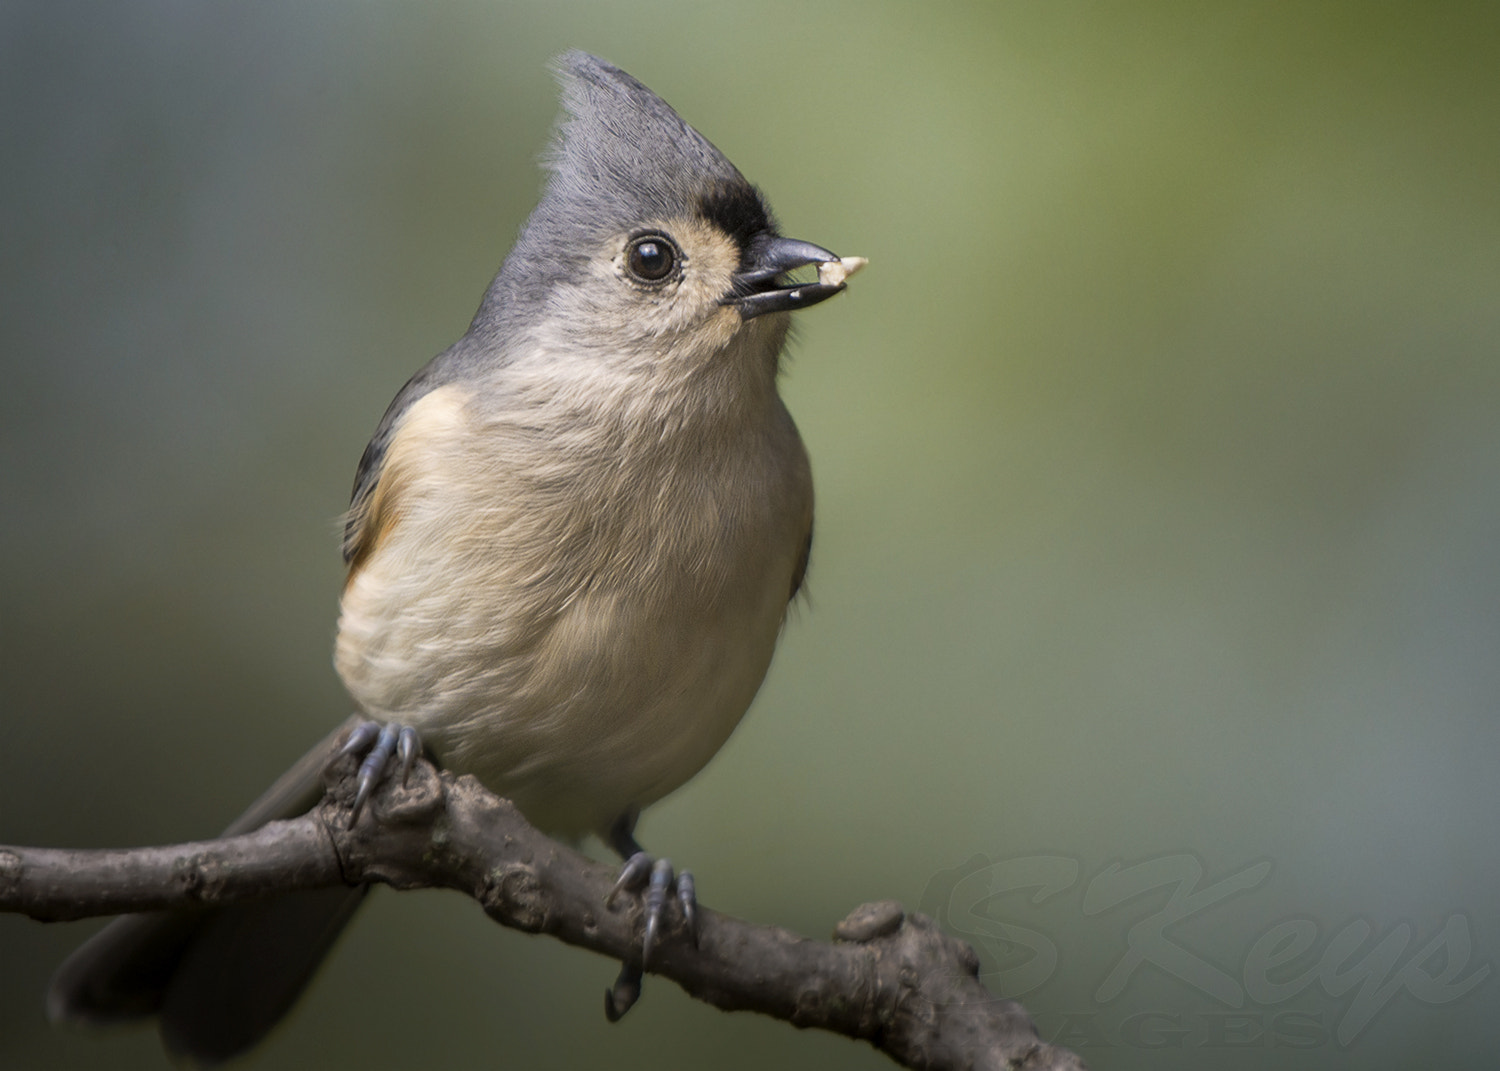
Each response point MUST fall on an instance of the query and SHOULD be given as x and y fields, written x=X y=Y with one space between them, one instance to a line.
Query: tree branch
x=890 y=978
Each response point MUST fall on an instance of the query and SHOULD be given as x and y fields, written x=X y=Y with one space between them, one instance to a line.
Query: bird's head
x=648 y=244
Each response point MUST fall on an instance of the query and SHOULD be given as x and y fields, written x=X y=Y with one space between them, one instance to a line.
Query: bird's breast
x=575 y=610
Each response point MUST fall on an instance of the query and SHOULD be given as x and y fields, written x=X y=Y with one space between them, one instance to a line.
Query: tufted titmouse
x=572 y=543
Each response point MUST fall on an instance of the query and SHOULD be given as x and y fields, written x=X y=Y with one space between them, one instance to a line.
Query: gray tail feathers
x=219 y=979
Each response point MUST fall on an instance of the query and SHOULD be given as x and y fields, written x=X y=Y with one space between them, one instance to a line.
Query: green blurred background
x=1158 y=462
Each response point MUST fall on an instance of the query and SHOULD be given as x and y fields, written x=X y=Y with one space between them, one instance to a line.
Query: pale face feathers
x=612 y=315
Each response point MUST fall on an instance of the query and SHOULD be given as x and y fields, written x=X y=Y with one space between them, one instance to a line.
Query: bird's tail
x=220 y=979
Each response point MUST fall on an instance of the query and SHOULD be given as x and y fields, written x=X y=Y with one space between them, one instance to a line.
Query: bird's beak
x=755 y=291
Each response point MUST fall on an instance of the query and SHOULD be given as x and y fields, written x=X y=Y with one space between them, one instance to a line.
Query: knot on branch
x=869 y=921
x=514 y=895
x=200 y=877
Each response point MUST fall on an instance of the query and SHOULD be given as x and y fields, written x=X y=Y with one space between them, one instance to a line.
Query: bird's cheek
x=721 y=328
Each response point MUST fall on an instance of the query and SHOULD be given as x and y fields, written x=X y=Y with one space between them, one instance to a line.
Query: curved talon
x=656 y=902
x=410 y=746
x=621 y=997
x=359 y=741
x=687 y=899
x=371 y=769
x=632 y=875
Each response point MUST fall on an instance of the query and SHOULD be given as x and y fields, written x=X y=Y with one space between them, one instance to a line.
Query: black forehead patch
x=737 y=209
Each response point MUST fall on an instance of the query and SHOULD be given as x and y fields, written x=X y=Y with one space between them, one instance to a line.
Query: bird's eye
x=651 y=257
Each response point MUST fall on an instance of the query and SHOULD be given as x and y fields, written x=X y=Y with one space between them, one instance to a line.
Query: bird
x=571 y=547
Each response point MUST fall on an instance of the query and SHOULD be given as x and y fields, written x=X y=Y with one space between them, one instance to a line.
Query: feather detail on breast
x=570 y=598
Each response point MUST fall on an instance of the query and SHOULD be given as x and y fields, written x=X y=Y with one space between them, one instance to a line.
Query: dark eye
x=651 y=257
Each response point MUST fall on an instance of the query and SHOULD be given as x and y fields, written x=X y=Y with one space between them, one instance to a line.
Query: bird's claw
x=641 y=871
x=687 y=899
x=621 y=997
x=656 y=902
x=378 y=743
x=659 y=882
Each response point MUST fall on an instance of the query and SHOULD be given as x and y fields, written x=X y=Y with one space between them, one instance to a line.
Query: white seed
x=834 y=272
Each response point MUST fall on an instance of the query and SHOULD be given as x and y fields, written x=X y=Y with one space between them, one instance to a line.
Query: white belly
x=581 y=645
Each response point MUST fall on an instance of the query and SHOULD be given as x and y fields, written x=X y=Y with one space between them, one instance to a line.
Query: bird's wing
x=361 y=521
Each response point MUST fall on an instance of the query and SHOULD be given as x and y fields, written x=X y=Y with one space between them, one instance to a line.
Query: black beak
x=755 y=291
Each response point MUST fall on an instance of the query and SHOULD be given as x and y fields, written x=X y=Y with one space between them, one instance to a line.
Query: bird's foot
x=378 y=743
x=655 y=876
x=640 y=871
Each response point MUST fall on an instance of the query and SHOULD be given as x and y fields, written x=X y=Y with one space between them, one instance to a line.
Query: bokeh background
x=1158 y=462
